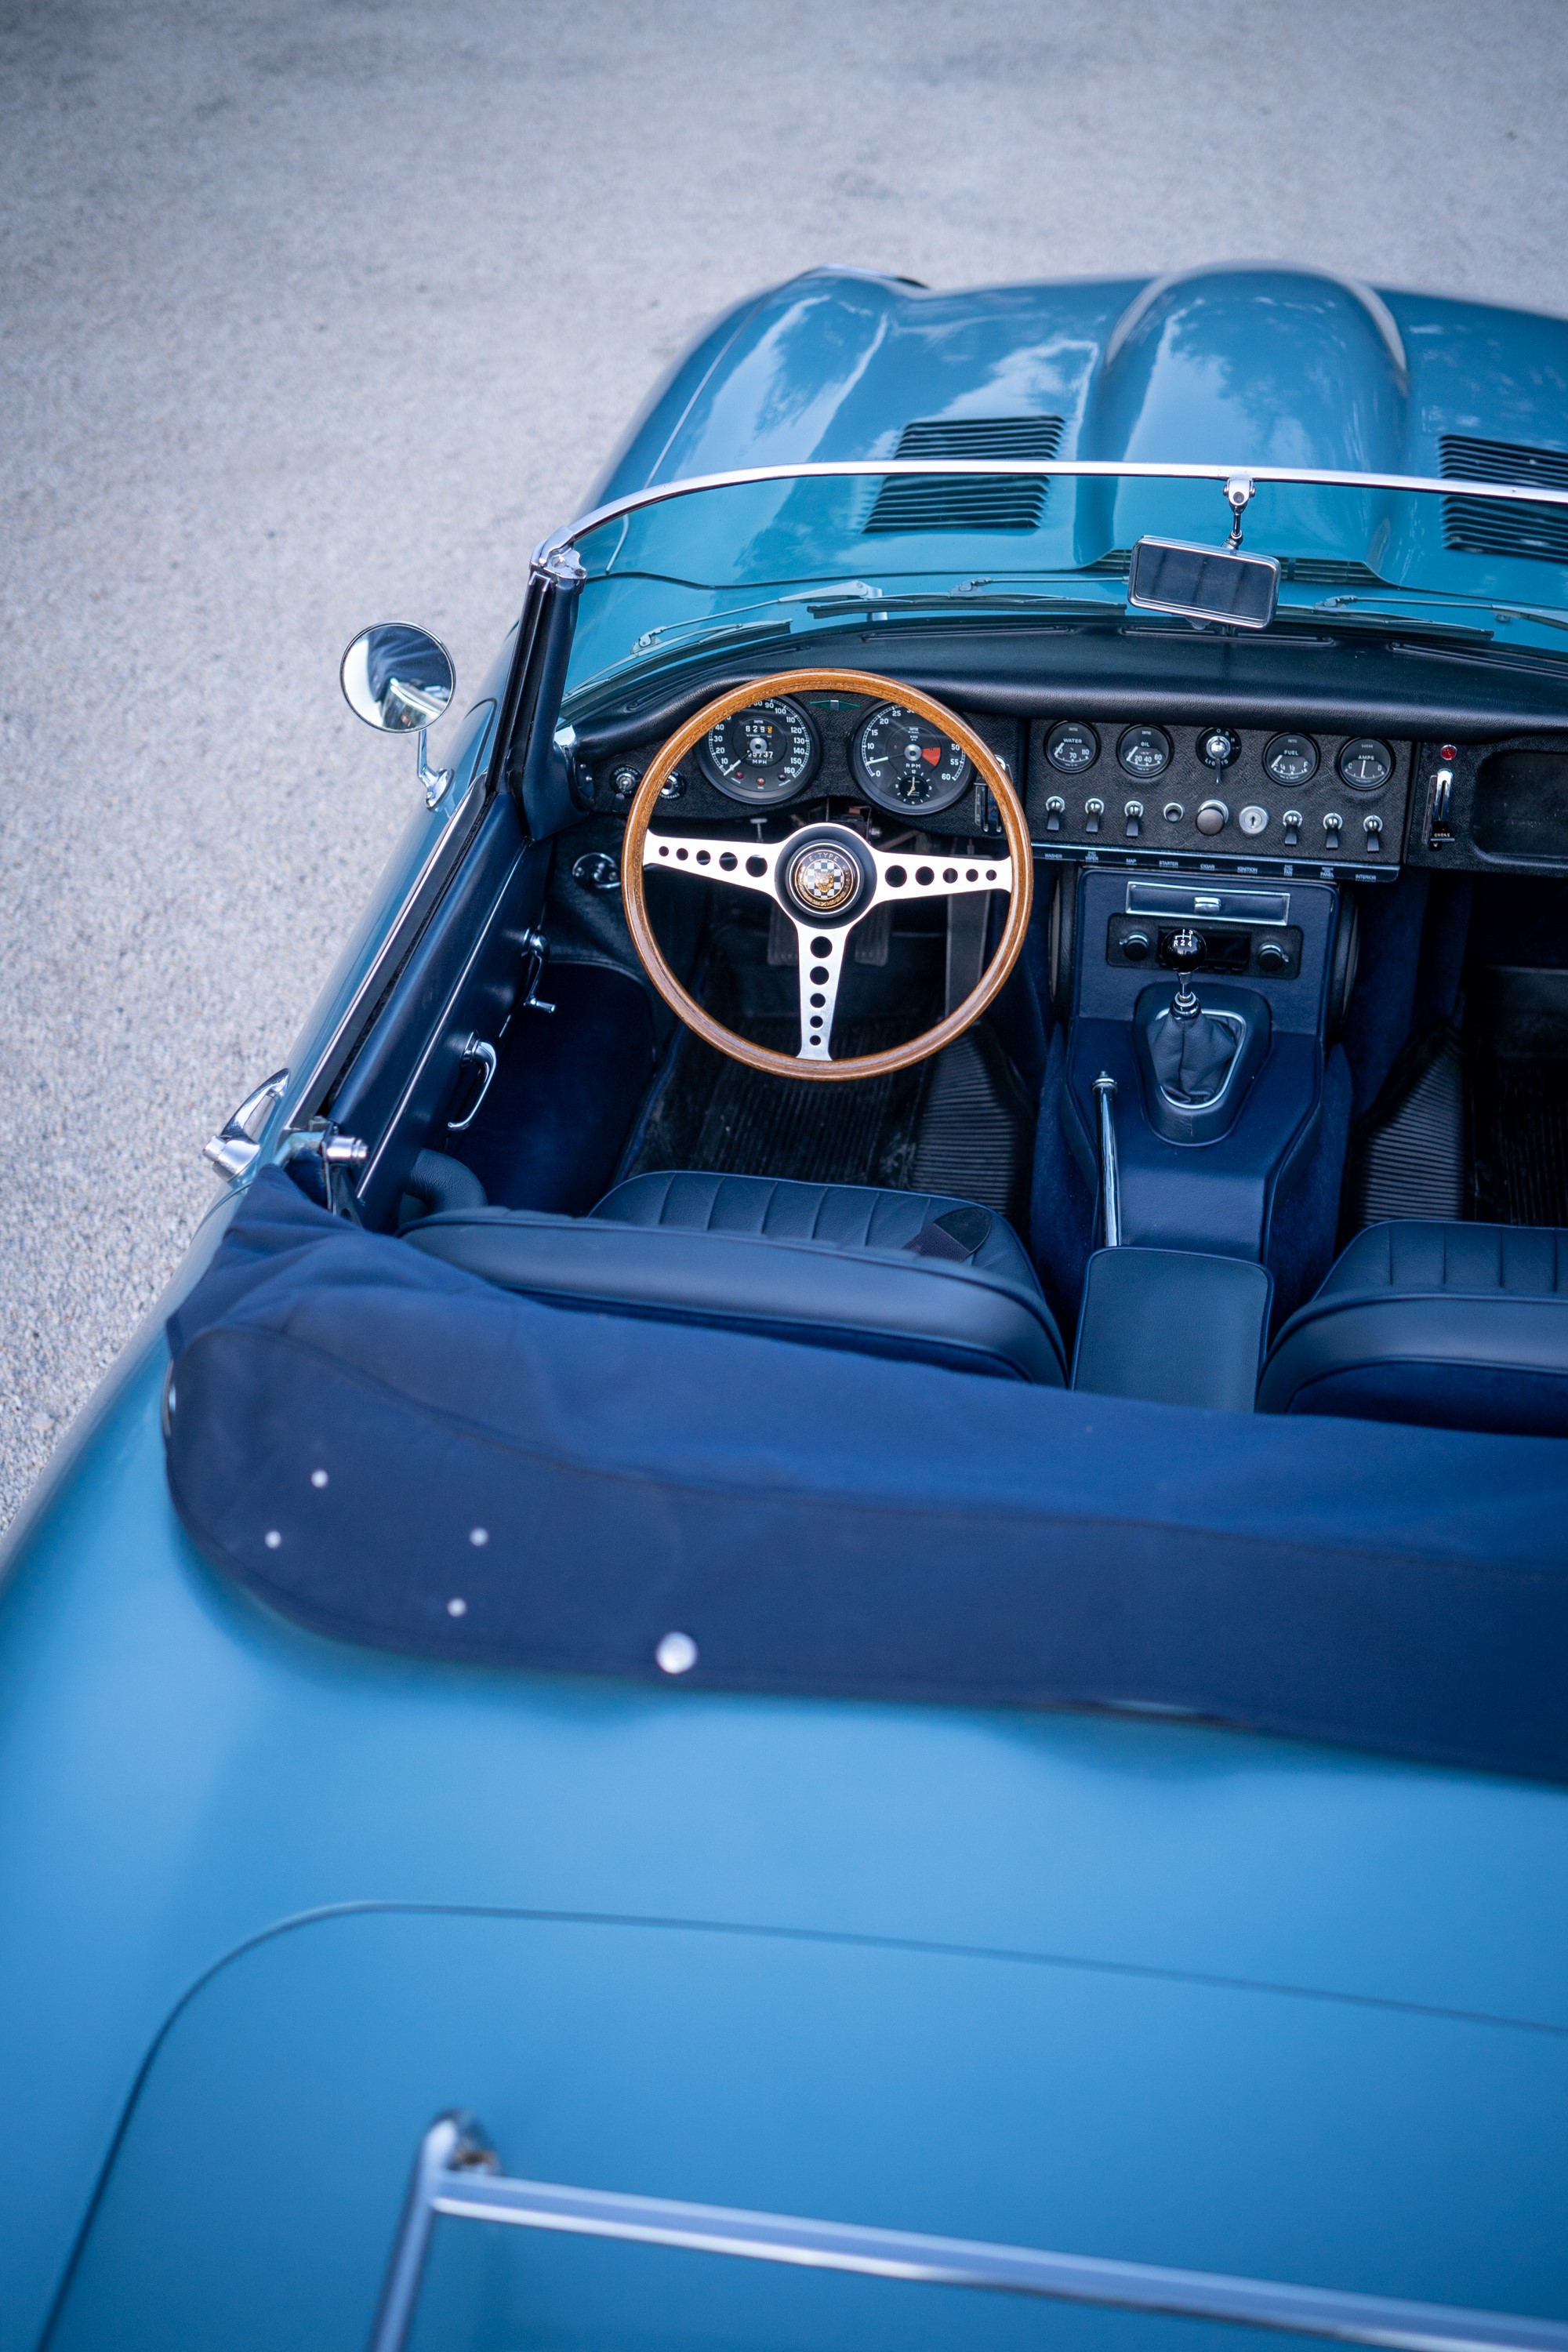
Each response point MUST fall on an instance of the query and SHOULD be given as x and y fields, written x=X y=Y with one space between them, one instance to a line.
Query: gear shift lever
x=1192 y=1050
x=1187 y=954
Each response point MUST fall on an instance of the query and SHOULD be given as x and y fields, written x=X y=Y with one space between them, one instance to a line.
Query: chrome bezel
x=912 y=811
x=767 y=797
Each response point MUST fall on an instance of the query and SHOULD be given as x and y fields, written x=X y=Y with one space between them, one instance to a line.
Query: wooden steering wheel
x=826 y=878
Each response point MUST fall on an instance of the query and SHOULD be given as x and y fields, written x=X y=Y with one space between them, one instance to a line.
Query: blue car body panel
x=1266 y=365
x=1143 y=1989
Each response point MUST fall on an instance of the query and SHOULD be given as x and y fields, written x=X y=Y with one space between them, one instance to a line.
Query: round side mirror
x=397 y=678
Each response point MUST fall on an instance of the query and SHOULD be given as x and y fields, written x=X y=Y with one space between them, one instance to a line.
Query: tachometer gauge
x=761 y=754
x=1366 y=764
x=1290 y=759
x=907 y=765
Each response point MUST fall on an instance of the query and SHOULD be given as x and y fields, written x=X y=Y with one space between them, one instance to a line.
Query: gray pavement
x=320 y=310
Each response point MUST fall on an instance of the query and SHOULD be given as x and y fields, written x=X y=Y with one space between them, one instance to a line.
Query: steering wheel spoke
x=822 y=955
x=901 y=875
x=745 y=865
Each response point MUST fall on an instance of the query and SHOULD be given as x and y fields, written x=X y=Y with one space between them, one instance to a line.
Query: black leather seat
x=830 y=1265
x=1459 y=1327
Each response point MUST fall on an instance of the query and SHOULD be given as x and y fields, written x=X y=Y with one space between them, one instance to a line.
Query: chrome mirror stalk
x=435 y=781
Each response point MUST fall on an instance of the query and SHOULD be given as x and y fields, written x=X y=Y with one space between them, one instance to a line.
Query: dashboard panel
x=1120 y=789
x=1221 y=798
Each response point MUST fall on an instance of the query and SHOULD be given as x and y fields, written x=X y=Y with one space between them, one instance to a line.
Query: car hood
x=1244 y=365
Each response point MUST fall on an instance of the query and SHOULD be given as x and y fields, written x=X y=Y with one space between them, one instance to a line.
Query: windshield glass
x=761 y=562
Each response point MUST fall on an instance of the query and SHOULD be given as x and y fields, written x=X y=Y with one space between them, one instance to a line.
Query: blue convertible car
x=833 y=1610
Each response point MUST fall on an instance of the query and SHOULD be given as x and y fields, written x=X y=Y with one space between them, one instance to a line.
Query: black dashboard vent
x=1478 y=527
x=973 y=502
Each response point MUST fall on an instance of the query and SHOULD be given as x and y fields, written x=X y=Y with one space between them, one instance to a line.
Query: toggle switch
x=1293 y=823
x=1373 y=828
x=1056 y=808
x=1133 y=812
x=1093 y=810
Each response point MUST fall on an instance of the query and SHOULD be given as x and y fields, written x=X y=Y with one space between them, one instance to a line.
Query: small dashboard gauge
x=1290 y=759
x=1144 y=751
x=1073 y=747
x=1366 y=764
x=1219 y=747
x=904 y=764
x=761 y=754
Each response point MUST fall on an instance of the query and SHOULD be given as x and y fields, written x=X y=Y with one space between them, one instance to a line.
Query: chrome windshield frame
x=1033 y=468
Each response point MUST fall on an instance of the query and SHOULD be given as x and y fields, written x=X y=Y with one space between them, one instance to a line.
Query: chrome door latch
x=234 y=1148
x=535 y=948
x=478 y=1050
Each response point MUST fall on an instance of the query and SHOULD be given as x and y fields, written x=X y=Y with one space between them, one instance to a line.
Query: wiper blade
x=965 y=600
x=1381 y=618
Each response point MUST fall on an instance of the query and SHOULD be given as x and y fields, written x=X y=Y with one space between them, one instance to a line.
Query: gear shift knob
x=1186 y=952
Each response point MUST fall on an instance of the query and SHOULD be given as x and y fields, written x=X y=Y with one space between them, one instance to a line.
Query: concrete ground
x=320 y=311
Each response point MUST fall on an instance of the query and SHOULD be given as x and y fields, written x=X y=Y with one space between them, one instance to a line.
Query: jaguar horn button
x=823 y=879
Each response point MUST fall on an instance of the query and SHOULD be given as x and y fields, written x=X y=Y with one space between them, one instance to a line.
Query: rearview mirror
x=1203 y=583
x=397 y=678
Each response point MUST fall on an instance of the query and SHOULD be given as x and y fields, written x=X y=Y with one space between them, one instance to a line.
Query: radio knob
x=1272 y=957
x=1213 y=816
x=1136 y=946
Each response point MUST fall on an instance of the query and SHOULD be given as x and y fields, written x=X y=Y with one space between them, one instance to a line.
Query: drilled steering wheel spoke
x=901 y=876
x=745 y=866
x=822 y=954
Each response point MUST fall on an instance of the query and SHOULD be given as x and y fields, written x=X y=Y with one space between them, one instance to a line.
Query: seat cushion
x=826 y=1265
x=1455 y=1326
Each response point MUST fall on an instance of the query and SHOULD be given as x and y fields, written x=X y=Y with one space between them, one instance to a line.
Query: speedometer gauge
x=761 y=754
x=907 y=765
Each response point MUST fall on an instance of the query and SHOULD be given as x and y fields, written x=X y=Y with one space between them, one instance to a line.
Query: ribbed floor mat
x=956 y=1124
x=1520 y=1109
x=1408 y=1158
x=971 y=1128
x=714 y=1113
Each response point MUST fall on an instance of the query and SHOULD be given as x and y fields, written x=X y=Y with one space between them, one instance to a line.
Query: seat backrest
x=880 y=1302
x=1447 y=1324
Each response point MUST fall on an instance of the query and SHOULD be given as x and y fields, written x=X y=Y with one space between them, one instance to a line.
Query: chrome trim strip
x=456 y=2175
x=373 y=978
x=1223 y=904
x=1030 y=468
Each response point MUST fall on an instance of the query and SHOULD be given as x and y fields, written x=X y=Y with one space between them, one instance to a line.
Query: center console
x=1203 y=1002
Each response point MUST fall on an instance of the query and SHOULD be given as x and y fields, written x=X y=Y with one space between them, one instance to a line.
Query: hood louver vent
x=1478 y=527
x=967 y=502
